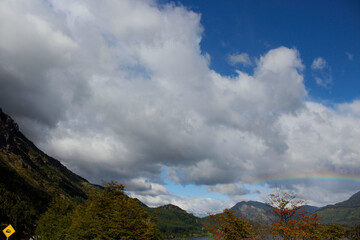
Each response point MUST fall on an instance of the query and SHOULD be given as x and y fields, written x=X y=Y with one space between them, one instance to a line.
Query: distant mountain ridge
x=175 y=222
x=346 y=212
x=258 y=211
x=353 y=201
x=253 y=210
x=172 y=207
x=310 y=209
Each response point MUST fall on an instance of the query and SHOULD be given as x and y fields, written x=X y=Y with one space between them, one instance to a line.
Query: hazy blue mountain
x=310 y=209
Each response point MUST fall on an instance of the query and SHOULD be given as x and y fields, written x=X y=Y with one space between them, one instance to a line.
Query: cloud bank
x=121 y=90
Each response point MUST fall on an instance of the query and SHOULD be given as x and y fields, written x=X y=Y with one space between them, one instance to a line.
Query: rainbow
x=321 y=177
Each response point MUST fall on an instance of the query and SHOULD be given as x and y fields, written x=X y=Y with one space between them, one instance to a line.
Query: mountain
x=310 y=209
x=253 y=211
x=353 y=201
x=346 y=212
x=260 y=212
x=175 y=222
x=22 y=161
x=29 y=179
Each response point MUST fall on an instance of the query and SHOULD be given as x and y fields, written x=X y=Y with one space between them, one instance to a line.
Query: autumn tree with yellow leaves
x=228 y=226
x=107 y=215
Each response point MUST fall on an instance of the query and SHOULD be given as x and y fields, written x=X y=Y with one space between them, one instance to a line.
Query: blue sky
x=193 y=103
x=327 y=29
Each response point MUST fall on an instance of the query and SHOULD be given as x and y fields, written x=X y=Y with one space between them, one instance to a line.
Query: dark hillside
x=29 y=179
x=175 y=222
x=346 y=212
x=353 y=201
x=23 y=161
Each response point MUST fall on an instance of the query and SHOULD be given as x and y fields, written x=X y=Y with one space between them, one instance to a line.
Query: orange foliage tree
x=292 y=222
x=228 y=226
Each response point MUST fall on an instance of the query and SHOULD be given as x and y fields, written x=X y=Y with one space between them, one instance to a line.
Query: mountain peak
x=172 y=207
x=353 y=201
x=252 y=204
x=8 y=128
x=8 y=121
x=253 y=210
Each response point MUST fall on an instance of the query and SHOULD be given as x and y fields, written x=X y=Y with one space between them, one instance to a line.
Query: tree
x=112 y=215
x=228 y=226
x=54 y=222
x=335 y=232
x=353 y=233
x=260 y=229
x=20 y=214
x=292 y=222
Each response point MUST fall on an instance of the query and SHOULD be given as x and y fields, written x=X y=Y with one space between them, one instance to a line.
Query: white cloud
x=198 y=206
x=144 y=187
x=322 y=139
x=321 y=72
x=350 y=56
x=229 y=189
x=318 y=64
x=242 y=58
x=352 y=108
x=120 y=89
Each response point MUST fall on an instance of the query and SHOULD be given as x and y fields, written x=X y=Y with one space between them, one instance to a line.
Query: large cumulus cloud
x=121 y=90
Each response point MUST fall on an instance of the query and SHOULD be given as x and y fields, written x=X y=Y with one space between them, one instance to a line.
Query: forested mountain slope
x=29 y=179
x=346 y=212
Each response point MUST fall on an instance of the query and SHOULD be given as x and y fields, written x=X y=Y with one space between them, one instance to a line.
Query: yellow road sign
x=8 y=231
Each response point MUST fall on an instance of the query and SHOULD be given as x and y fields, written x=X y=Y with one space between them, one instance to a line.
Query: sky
x=200 y=104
